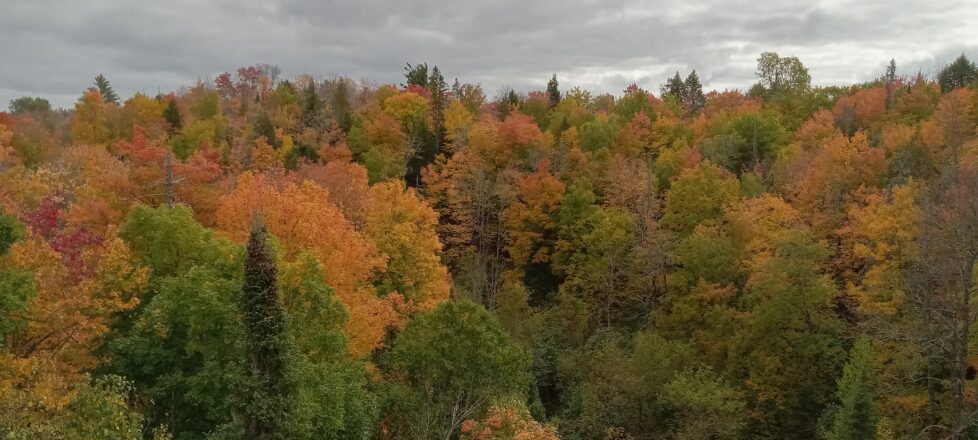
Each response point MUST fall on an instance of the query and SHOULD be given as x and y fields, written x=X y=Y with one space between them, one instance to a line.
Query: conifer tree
x=553 y=93
x=264 y=321
x=105 y=88
x=675 y=87
x=961 y=73
x=694 y=99
x=439 y=102
x=855 y=416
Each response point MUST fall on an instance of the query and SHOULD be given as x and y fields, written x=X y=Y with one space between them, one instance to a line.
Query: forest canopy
x=314 y=257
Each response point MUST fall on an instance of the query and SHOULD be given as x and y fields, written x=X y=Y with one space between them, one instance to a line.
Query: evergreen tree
x=553 y=92
x=108 y=95
x=264 y=322
x=694 y=99
x=961 y=73
x=340 y=103
x=416 y=75
x=439 y=102
x=675 y=87
x=172 y=115
x=855 y=416
x=313 y=108
x=265 y=127
x=457 y=88
x=889 y=81
x=890 y=71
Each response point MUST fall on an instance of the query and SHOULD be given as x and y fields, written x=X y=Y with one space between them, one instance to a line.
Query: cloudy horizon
x=53 y=49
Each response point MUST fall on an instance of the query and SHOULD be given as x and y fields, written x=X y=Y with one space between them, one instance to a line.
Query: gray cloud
x=53 y=48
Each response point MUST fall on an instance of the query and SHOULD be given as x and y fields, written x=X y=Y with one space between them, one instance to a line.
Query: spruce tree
x=439 y=102
x=675 y=87
x=264 y=322
x=694 y=99
x=855 y=416
x=553 y=93
x=889 y=81
x=108 y=95
x=313 y=108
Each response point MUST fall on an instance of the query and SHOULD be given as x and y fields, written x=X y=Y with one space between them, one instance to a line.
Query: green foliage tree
x=16 y=286
x=782 y=75
x=706 y=407
x=29 y=105
x=699 y=194
x=788 y=352
x=449 y=365
x=855 y=416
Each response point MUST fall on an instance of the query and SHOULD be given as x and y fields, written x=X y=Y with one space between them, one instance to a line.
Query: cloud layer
x=53 y=48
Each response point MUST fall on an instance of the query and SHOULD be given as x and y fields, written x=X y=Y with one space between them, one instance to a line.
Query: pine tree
x=416 y=75
x=675 y=87
x=439 y=102
x=961 y=73
x=553 y=92
x=694 y=99
x=855 y=416
x=264 y=322
x=889 y=81
x=312 y=111
x=108 y=95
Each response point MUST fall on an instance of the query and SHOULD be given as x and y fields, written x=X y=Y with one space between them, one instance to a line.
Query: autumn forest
x=261 y=257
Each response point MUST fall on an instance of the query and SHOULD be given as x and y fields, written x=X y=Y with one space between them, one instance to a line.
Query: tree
x=694 y=99
x=553 y=92
x=416 y=75
x=105 y=89
x=27 y=105
x=17 y=286
x=404 y=229
x=439 y=104
x=890 y=82
x=502 y=423
x=264 y=323
x=961 y=73
x=855 y=416
x=90 y=122
x=450 y=365
x=340 y=104
x=675 y=87
x=788 y=351
x=782 y=75
x=699 y=194
x=172 y=114
x=707 y=408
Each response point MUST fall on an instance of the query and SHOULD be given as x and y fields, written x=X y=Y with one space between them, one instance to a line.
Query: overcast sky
x=54 y=48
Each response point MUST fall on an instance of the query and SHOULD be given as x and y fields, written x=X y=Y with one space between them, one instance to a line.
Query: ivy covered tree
x=264 y=323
